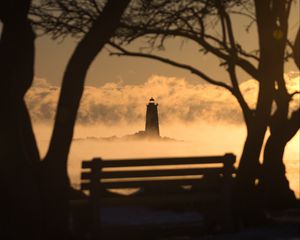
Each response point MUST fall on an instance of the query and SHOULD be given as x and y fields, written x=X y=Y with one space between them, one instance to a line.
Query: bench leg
x=226 y=218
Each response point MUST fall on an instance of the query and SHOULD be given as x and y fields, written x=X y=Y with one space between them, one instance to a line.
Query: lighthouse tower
x=152 y=126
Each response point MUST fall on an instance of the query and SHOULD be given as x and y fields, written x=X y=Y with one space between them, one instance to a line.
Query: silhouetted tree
x=28 y=198
x=191 y=20
x=296 y=49
x=55 y=163
x=20 y=197
x=284 y=124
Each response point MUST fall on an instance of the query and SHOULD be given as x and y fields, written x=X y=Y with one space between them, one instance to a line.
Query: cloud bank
x=115 y=103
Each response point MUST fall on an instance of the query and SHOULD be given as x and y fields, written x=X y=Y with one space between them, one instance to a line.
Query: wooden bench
x=161 y=173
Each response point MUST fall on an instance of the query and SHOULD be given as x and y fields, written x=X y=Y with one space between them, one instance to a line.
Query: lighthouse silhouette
x=152 y=125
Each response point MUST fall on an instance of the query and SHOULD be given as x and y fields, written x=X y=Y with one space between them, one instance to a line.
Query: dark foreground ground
x=277 y=230
x=141 y=224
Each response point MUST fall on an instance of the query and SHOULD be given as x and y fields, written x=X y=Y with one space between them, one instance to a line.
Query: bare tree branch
x=294 y=93
x=201 y=40
x=124 y=52
x=227 y=30
x=293 y=124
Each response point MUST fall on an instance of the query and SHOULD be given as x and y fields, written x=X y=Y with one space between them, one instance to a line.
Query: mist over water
x=196 y=139
x=204 y=119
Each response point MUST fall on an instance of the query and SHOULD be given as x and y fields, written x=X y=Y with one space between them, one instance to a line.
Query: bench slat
x=166 y=161
x=154 y=173
x=142 y=183
x=159 y=199
x=94 y=163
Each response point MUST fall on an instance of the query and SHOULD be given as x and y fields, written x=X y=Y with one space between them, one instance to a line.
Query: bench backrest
x=135 y=173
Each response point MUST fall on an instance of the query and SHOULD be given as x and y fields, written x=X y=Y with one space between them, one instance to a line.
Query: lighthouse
x=152 y=125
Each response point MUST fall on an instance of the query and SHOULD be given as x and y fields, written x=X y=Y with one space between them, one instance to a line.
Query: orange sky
x=51 y=58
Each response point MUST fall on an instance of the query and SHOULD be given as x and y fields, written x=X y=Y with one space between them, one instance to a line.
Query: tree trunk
x=247 y=206
x=270 y=18
x=282 y=130
x=20 y=200
x=274 y=186
x=296 y=49
x=54 y=174
x=273 y=182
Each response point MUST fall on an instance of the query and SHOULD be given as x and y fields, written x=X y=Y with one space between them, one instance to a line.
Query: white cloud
x=115 y=103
